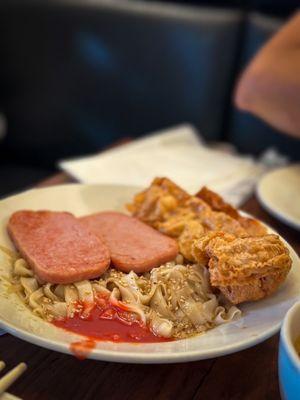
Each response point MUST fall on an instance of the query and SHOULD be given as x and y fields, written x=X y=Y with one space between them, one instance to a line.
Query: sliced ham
x=133 y=245
x=57 y=246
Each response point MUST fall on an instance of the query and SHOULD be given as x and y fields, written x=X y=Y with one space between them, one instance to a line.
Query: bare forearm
x=270 y=86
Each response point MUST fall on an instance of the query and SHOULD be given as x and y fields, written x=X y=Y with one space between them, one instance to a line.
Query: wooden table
x=250 y=374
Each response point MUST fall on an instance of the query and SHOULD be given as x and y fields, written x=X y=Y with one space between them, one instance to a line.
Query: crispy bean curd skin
x=212 y=233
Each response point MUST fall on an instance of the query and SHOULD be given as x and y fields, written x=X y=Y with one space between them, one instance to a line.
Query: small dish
x=279 y=193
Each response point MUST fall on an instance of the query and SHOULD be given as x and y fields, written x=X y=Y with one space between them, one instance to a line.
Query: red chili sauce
x=82 y=349
x=107 y=322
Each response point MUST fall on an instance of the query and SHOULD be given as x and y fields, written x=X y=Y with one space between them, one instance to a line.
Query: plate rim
x=140 y=358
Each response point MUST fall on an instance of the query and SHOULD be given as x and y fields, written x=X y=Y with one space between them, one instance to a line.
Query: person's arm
x=270 y=86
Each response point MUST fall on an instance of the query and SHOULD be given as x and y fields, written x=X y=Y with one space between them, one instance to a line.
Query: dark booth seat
x=16 y=177
x=78 y=76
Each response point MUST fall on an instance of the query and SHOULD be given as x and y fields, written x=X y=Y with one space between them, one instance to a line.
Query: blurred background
x=77 y=76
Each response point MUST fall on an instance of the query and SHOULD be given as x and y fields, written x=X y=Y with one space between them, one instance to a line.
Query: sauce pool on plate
x=107 y=322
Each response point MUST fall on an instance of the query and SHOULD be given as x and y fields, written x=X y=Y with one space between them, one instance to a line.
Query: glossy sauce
x=107 y=322
x=82 y=349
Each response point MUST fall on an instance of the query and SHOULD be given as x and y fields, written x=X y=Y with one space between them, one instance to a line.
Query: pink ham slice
x=57 y=246
x=133 y=245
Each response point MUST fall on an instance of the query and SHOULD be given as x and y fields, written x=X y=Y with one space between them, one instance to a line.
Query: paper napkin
x=178 y=153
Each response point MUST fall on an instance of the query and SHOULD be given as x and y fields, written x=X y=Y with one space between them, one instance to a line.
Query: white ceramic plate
x=260 y=319
x=279 y=193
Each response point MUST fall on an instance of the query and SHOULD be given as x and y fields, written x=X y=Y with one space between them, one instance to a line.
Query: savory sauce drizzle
x=107 y=322
x=82 y=349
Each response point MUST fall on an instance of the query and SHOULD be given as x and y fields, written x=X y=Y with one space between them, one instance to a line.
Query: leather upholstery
x=16 y=177
x=76 y=76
